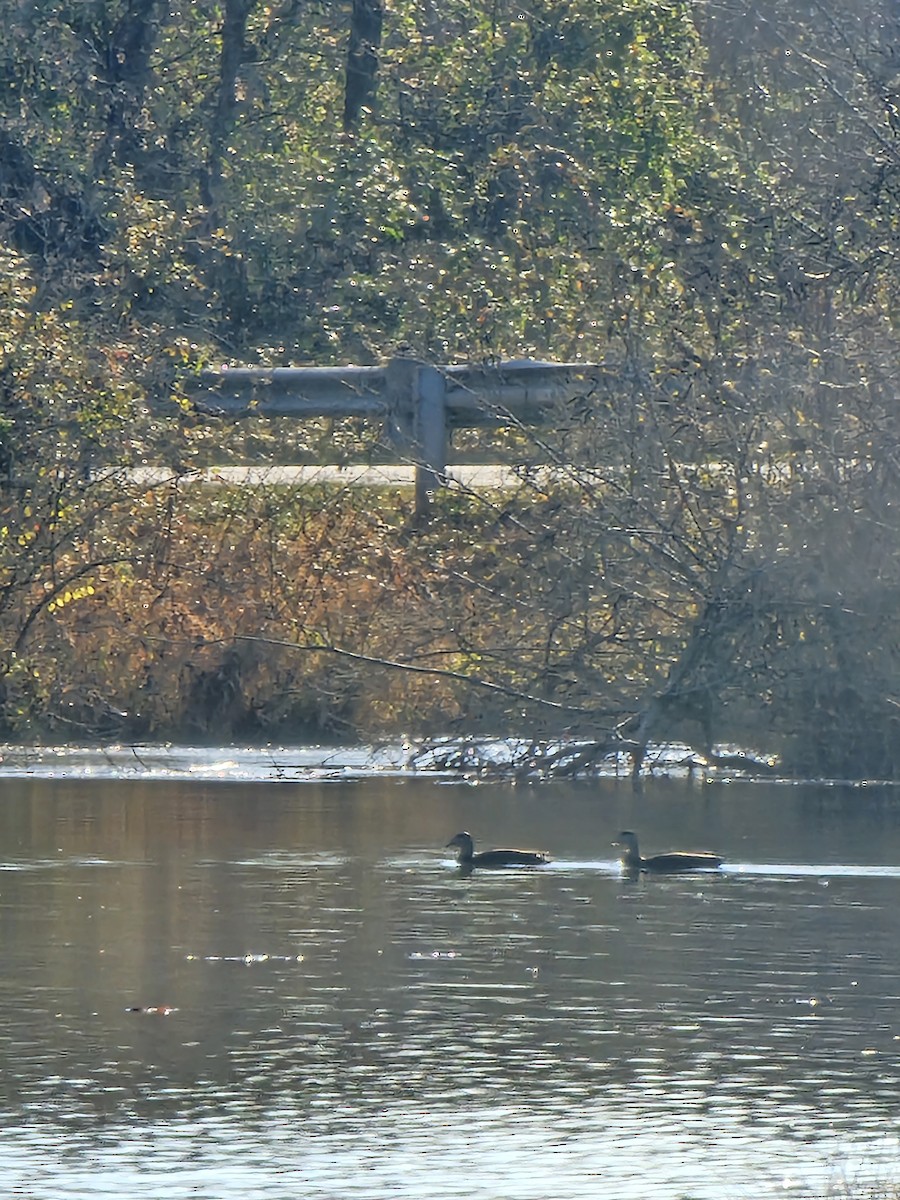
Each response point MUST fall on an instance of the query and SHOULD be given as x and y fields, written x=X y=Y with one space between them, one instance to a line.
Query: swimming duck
x=466 y=856
x=661 y=864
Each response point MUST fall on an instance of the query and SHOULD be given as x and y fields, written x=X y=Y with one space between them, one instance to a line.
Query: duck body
x=669 y=863
x=466 y=856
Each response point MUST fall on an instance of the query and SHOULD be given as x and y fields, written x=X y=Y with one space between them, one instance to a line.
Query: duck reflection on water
x=467 y=858
x=668 y=863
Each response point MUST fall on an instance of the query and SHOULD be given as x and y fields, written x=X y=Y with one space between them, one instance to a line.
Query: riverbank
x=326 y=614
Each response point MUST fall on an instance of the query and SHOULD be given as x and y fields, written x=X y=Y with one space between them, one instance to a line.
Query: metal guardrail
x=418 y=403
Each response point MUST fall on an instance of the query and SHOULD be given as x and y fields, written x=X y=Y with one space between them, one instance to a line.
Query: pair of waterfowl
x=631 y=858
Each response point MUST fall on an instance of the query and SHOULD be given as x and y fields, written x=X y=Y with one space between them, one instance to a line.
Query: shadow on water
x=236 y=989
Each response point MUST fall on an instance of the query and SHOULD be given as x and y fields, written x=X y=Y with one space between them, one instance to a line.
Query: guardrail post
x=400 y=382
x=417 y=422
x=431 y=432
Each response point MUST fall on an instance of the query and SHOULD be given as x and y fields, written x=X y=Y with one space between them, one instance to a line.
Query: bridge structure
x=418 y=404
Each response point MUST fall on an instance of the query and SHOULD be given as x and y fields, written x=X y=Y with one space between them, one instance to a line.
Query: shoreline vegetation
x=153 y=647
x=701 y=549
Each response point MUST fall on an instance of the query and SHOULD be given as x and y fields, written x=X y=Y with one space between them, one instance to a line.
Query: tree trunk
x=234 y=30
x=127 y=70
x=362 y=59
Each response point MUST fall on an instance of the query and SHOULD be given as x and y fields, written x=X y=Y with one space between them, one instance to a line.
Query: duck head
x=464 y=844
x=631 y=854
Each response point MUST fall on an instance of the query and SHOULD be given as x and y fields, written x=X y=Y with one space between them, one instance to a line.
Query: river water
x=341 y=1013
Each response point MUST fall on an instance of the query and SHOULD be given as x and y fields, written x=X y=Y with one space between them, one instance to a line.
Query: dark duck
x=467 y=858
x=663 y=864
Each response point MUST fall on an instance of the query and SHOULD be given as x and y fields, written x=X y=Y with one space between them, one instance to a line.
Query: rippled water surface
x=340 y=1013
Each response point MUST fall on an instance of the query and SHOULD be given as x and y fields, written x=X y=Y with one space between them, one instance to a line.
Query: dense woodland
x=703 y=196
